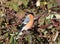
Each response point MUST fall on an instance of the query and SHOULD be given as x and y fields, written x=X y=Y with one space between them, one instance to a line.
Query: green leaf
x=11 y=39
x=28 y=38
x=25 y=2
x=14 y=41
x=5 y=35
x=39 y=40
x=14 y=6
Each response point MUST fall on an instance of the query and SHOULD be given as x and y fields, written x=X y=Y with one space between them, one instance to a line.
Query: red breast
x=30 y=23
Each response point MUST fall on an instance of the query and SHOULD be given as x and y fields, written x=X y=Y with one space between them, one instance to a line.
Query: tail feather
x=19 y=27
x=20 y=30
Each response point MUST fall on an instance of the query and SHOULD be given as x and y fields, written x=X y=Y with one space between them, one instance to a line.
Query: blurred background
x=46 y=28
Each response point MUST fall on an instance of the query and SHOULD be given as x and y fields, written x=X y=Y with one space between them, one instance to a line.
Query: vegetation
x=44 y=31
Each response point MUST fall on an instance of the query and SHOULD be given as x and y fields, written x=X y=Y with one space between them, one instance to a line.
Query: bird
x=26 y=24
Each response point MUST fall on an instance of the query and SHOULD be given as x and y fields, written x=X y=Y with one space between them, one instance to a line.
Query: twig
x=56 y=35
